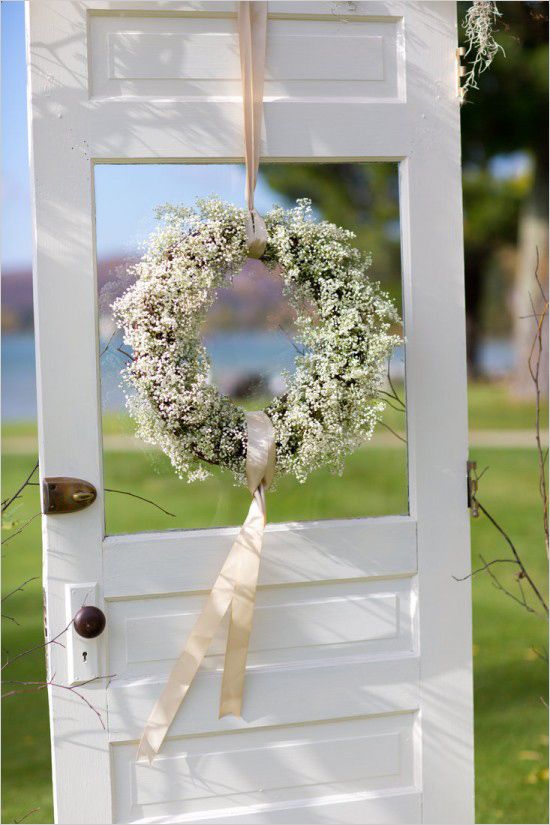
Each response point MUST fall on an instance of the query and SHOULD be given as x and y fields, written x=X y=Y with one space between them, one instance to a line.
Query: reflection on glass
x=249 y=336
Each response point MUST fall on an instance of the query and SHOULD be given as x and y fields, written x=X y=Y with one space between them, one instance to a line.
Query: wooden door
x=358 y=694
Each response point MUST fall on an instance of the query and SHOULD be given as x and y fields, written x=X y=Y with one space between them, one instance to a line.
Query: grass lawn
x=510 y=679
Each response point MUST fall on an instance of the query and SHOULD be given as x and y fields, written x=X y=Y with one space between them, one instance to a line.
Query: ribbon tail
x=234 y=588
x=242 y=606
x=186 y=667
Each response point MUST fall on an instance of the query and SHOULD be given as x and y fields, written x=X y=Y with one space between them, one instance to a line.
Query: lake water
x=233 y=355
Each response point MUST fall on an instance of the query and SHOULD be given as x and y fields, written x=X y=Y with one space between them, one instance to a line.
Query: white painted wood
x=354 y=756
x=175 y=57
x=288 y=625
x=292 y=553
x=362 y=808
x=288 y=693
x=358 y=696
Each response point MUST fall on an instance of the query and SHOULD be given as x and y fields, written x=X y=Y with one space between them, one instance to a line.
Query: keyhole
x=84 y=656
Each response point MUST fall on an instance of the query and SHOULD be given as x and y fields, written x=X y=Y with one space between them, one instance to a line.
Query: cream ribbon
x=252 y=20
x=234 y=590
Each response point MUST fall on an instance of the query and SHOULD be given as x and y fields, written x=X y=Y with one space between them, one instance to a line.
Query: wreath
x=343 y=321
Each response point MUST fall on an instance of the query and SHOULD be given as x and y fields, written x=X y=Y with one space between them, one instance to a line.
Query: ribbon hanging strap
x=234 y=589
x=252 y=20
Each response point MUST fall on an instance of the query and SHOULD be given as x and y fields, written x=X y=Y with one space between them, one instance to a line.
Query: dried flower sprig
x=479 y=27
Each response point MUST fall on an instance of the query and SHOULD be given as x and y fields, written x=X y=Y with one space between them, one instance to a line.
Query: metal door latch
x=471 y=477
x=66 y=495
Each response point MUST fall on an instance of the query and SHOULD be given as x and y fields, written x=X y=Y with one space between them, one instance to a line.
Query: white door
x=377 y=729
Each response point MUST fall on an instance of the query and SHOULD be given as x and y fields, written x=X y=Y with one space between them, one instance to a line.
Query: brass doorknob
x=89 y=622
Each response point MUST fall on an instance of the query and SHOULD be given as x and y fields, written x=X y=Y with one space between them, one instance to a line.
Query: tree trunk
x=532 y=236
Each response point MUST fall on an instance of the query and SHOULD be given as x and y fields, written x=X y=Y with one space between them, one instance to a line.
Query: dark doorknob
x=89 y=622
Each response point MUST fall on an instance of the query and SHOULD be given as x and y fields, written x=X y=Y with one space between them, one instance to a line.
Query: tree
x=509 y=114
x=362 y=197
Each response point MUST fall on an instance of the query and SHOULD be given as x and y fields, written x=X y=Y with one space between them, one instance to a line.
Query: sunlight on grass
x=510 y=679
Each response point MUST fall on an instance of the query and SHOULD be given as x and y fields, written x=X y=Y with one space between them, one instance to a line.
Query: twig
x=15 y=590
x=141 y=498
x=18 y=588
x=387 y=426
x=298 y=349
x=6 y=503
x=517 y=557
x=41 y=646
x=26 y=524
x=482 y=569
x=111 y=490
x=507 y=592
x=394 y=394
x=123 y=352
x=389 y=403
x=34 y=811
x=108 y=344
x=31 y=687
x=542 y=654
x=534 y=363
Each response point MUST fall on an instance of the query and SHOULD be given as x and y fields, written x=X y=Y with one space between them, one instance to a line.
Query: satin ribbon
x=252 y=23
x=233 y=590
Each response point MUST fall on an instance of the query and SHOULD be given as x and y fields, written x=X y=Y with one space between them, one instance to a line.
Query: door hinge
x=471 y=479
x=461 y=71
x=66 y=495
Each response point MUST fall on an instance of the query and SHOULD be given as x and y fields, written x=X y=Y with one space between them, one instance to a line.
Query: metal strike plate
x=66 y=495
x=83 y=655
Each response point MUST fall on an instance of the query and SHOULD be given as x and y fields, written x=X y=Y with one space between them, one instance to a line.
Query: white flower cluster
x=332 y=402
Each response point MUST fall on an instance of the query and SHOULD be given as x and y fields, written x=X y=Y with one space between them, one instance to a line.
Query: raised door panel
x=198 y=57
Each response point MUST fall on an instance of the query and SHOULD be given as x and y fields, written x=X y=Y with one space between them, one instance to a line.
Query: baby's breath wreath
x=343 y=321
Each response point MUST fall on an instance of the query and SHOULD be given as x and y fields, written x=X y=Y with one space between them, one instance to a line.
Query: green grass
x=490 y=407
x=510 y=680
x=510 y=718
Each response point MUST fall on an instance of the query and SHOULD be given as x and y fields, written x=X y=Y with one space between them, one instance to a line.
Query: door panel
x=303 y=763
x=358 y=691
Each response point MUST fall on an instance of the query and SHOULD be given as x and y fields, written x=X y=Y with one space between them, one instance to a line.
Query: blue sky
x=16 y=218
x=125 y=195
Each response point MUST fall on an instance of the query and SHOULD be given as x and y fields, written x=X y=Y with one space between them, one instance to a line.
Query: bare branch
x=534 y=366
x=122 y=492
x=33 y=687
x=34 y=811
x=10 y=619
x=19 y=588
x=41 y=646
x=518 y=559
x=108 y=344
x=542 y=654
x=7 y=502
x=394 y=394
x=482 y=569
x=387 y=426
x=521 y=601
x=389 y=399
x=17 y=532
x=298 y=349
x=141 y=498
x=123 y=352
